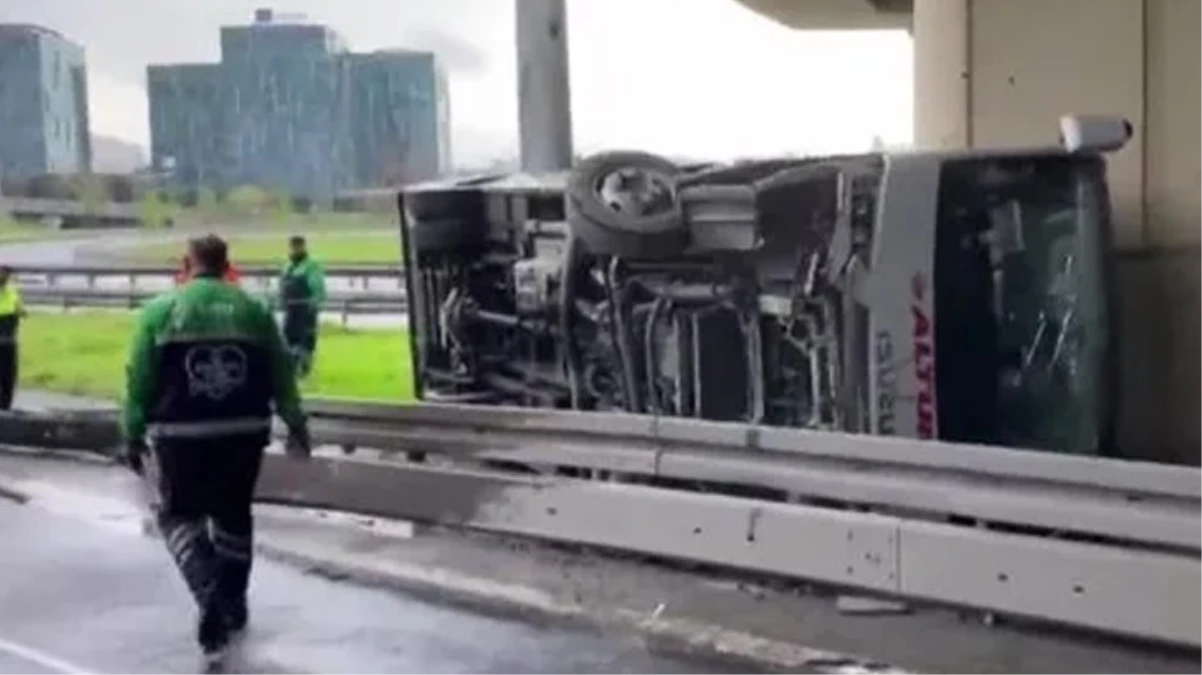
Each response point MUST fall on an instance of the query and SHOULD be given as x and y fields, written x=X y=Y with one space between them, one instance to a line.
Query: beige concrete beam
x=1002 y=73
x=992 y=72
x=835 y=14
x=1173 y=144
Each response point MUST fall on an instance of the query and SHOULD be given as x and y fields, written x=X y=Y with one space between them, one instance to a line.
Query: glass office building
x=43 y=103
x=289 y=108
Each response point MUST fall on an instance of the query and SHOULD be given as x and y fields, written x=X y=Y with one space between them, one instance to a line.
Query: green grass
x=322 y=221
x=12 y=232
x=84 y=354
x=382 y=247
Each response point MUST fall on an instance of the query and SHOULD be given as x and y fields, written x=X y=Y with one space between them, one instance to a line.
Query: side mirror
x=1094 y=133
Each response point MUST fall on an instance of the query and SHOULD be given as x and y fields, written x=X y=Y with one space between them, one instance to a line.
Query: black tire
x=605 y=228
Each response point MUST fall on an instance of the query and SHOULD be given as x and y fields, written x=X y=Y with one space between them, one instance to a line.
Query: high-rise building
x=399 y=110
x=187 y=123
x=43 y=103
x=289 y=108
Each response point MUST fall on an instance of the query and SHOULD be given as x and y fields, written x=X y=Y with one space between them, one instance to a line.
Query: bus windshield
x=1022 y=330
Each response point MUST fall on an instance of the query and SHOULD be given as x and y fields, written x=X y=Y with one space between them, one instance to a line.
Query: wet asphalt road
x=79 y=597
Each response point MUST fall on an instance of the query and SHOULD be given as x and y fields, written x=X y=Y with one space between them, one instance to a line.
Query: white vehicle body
x=933 y=295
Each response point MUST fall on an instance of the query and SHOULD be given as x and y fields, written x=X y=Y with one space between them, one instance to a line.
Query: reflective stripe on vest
x=209 y=428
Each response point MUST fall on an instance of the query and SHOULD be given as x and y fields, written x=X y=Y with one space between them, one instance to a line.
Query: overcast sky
x=704 y=78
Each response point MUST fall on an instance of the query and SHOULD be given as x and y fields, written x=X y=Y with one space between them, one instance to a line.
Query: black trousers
x=8 y=374
x=300 y=335
x=206 y=488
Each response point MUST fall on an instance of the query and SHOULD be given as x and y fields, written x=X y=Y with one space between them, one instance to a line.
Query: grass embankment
x=13 y=232
x=84 y=354
x=318 y=221
x=382 y=247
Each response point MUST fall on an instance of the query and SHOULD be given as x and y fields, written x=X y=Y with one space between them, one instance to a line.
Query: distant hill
x=115 y=155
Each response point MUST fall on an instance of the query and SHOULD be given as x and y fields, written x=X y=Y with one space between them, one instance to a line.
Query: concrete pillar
x=1001 y=72
x=942 y=113
x=544 y=95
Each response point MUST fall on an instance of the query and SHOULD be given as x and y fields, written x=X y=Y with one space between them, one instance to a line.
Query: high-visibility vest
x=10 y=306
x=10 y=298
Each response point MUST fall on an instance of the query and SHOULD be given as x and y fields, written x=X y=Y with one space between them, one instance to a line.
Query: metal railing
x=1094 y=543
x=345 y=304
x=68 y=207
x=54 y=275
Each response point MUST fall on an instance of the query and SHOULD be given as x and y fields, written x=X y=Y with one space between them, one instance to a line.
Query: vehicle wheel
x=625 y=204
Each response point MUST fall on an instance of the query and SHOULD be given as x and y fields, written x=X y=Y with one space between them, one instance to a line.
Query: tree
x=156 y=210
x=207 y=203
x=91 y=190
x=120 y=188
x=50 y=186
x=248 y=199
x=280 y=205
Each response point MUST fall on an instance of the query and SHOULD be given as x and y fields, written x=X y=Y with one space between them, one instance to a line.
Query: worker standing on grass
x=205 y=365
x=11 y=312
x=302 y=290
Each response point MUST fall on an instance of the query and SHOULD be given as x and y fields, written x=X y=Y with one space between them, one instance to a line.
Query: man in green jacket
x=302 y=289
x=205 y=366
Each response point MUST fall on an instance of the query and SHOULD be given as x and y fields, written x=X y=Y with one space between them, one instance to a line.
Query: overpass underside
x=1001 y=72
x=836 y=14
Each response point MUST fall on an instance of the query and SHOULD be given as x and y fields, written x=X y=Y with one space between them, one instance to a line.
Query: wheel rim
x=635 y=192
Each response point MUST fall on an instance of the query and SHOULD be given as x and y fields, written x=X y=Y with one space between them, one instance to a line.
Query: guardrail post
x=346 y=313
x=91 y=281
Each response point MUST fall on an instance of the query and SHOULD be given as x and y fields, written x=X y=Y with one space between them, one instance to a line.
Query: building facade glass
x=43 y=103
x=288 y=108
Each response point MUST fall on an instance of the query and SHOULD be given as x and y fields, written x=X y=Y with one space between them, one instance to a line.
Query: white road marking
x=41 y=658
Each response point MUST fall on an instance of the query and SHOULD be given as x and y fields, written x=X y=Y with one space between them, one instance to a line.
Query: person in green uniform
x=205 y=366
x=302 y=290
x=11 y=312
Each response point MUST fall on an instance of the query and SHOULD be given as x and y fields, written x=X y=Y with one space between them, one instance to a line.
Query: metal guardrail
x=68 y=208
x=52 y=275
x=1094 y=543
x=346 y=304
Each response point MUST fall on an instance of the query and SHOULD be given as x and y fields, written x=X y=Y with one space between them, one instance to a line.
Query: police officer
x=302 y=290
x=11 y=312
x=206 y=363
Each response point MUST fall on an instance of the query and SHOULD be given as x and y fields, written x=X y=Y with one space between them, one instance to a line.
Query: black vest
x=214 y=380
